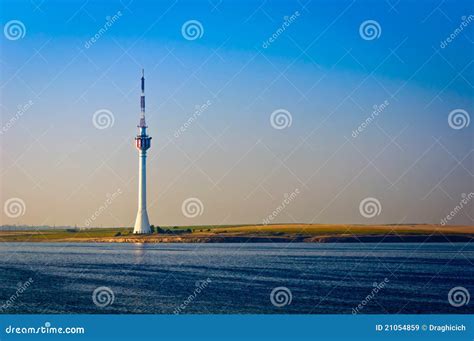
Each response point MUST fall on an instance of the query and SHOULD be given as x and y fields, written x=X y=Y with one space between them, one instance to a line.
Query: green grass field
x=205 y=231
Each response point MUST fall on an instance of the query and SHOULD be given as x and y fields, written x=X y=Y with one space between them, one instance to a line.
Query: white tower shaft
x=142 y=142
x=142 y=224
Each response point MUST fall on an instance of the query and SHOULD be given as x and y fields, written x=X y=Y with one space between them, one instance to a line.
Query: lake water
x=234 y=278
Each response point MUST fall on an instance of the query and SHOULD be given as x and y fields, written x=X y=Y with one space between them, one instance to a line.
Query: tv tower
x=142 y=142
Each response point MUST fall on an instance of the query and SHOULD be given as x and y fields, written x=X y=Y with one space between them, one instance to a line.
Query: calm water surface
x=158 y=278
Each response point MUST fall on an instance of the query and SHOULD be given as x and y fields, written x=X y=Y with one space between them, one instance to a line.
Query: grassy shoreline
x=312 y=233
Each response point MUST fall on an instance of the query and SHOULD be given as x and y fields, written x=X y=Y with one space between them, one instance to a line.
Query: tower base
x=142 y=225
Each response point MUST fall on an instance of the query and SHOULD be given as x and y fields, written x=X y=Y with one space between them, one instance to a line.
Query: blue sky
x=320 y=70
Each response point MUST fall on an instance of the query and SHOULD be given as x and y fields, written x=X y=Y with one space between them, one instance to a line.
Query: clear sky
x=323 y=65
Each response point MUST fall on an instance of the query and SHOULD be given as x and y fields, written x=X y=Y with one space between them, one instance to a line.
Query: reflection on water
x=160 y=278
x=139 y=252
